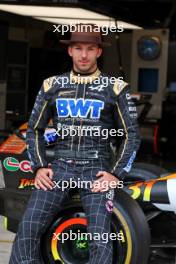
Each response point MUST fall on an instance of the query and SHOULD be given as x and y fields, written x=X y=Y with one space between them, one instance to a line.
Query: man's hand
x=43 y=179
x=106 y=180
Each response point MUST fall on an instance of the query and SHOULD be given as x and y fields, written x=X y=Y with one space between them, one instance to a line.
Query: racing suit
x=82 y=104
x=85 y=106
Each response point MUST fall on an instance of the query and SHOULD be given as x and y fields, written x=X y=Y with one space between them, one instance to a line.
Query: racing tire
x=144 y=171
x=127 y=219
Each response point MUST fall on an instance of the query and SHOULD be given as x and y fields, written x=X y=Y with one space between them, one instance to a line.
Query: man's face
x=84 y=56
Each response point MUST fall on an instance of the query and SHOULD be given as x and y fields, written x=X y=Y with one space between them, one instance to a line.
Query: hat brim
x=68 y=42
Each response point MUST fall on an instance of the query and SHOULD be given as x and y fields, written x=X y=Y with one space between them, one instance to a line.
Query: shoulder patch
x=119 y=86
x=48 y=83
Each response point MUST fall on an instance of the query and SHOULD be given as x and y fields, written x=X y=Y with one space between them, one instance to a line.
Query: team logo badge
x=99 y=88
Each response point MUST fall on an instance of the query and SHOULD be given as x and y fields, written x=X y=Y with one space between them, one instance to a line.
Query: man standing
x=78 y=101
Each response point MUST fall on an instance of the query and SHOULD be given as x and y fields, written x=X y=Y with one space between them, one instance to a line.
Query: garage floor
x=6 y=239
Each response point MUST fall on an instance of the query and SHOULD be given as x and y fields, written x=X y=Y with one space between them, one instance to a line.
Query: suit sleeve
x=126 y=116
x=38 y=121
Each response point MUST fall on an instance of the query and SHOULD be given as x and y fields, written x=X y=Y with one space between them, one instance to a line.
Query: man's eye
x=77 y=48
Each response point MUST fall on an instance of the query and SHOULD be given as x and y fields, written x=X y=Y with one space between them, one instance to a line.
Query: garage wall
x=111 y=57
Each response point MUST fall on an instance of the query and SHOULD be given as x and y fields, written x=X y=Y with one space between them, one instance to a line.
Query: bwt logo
x=79 y=107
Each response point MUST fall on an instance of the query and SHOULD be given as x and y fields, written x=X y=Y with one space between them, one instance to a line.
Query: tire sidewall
x=133 y=221
x=135 y=224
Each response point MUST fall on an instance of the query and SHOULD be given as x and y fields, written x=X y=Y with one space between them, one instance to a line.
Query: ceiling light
x=64 y=15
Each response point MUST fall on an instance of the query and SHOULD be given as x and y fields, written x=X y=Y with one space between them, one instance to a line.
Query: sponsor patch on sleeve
x=130 y=162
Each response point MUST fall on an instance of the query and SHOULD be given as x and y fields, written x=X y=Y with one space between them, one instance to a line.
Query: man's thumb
x=50 y=173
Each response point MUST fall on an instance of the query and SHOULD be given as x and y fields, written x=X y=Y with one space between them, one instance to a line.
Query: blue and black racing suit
x=83 y=109
x=92 y=107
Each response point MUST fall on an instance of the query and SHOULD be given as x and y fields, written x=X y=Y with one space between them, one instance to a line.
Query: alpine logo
x=12 y=164
x=99 y=88
x=79 y=107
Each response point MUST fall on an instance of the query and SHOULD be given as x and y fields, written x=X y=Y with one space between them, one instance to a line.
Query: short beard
x=90 y=69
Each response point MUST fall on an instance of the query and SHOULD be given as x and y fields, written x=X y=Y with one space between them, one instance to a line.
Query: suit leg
x=99 y=222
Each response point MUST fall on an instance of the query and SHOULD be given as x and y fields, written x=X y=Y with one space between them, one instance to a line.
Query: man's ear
x=69 y=51
x=99 y=52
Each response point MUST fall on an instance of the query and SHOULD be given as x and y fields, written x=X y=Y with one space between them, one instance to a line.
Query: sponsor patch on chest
x=67 y=107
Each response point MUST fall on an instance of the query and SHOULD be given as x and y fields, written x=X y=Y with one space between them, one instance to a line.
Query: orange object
x=13 y=145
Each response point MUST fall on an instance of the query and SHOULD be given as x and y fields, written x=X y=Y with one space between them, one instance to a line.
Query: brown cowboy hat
x=89 y=33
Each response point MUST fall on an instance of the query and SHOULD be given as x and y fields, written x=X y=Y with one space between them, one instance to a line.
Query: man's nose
x=84 y=54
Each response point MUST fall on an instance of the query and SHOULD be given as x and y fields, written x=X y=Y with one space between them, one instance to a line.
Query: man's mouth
x=84 y=62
